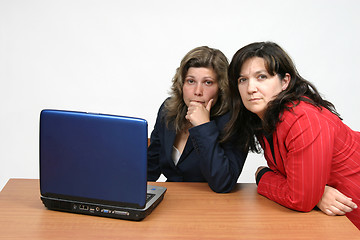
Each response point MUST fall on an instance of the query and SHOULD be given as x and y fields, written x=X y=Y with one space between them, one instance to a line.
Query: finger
x=347 y=202
x=190 y=114
x=191 y=110
x=209 y=105
x=344 y=200
x=193 y=104
x=187 y=116
x=329 y=212
x=336 y=210
x=342 y=207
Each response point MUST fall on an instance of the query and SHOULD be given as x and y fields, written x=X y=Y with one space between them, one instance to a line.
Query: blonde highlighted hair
x=198 y=57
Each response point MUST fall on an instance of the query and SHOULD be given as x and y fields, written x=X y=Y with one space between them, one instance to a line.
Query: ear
x=285 y=81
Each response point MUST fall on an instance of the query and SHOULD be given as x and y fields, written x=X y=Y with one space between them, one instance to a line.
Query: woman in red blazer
x=313 y=157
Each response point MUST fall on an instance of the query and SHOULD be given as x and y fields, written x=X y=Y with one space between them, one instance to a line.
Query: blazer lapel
x=268 y=155
x=189 y=147
x=169 y=143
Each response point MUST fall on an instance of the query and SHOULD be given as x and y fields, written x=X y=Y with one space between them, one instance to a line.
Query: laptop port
x=105 y=211
x=121 y=213
x=83 y=207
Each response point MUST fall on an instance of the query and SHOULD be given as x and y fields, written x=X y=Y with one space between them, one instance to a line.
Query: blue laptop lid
x=93 y=157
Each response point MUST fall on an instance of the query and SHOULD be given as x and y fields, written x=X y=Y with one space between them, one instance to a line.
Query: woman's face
x=257 y=87
x=200 y=85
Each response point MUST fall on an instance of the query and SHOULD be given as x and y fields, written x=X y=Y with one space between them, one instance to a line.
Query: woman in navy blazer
x=186 y=143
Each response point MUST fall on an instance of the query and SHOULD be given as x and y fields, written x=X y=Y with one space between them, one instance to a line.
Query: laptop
x=95 y=164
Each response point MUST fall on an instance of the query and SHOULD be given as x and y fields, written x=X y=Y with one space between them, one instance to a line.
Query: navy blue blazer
x=203 y=158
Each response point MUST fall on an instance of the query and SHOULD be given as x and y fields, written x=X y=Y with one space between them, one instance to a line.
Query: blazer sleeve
x=307 y=163
x=220 y=163
x=153 y=154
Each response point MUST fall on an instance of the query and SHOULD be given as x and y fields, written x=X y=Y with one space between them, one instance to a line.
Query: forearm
x=303 y=163
x=221 y=164
x=299 y=192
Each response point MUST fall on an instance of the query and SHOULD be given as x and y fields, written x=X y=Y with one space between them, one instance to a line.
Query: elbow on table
x=307 y=209
x=221 y=188
x=302 y=206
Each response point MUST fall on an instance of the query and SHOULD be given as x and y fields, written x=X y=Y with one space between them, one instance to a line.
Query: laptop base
x=102 y=210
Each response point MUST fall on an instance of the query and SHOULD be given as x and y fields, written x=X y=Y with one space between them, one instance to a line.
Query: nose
x=252 y=86
x=198 y=90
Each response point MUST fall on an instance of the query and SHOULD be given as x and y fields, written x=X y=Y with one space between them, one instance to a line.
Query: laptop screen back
x=93 y=157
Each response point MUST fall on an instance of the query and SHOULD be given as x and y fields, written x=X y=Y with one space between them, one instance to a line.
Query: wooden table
x=188 y=211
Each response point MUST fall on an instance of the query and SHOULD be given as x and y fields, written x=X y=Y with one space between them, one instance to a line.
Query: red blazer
x=312 y=148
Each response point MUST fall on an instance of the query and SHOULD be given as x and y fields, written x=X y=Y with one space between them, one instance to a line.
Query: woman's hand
x=197 y=114
x=335 y=203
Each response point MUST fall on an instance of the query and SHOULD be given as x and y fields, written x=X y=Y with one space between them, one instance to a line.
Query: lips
x=202 y=102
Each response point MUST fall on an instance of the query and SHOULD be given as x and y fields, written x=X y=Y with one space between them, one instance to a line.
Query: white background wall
x=118 y=57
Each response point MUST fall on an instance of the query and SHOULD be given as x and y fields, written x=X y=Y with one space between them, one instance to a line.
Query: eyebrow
x=206 y=77
x=257 y=72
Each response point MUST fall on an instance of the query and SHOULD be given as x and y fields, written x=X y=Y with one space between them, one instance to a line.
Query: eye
x=189 y=81
x=241 y=80
x=262 y=77
x=208 y=83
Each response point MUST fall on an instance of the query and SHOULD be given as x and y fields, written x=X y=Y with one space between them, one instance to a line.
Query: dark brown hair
x=246 y=126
